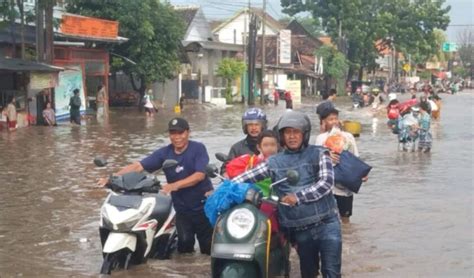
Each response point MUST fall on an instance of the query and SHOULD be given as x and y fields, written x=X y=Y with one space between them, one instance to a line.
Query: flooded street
x=413 y=218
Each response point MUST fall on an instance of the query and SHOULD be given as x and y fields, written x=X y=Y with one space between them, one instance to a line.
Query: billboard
x=68 y=80
x=285 y=47
x=294 y=86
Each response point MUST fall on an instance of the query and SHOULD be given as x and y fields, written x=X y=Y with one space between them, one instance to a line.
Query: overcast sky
x=462 y=11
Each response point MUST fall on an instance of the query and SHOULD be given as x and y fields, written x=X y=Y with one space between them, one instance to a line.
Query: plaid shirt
x=320 y=188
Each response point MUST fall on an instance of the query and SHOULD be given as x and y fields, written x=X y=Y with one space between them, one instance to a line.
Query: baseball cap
x=178 y=124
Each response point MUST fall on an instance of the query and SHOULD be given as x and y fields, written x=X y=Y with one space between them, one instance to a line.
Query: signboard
x=433 y=65
x=406 y=67
x=68 y=80
x=449 y=47
x=40 y=80
x=285 y=47
x=88 y=26
x=294 y=86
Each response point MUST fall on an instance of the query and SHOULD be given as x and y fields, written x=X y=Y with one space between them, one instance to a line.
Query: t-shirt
x=11 y=112
x=100 y=97
x=50 y=115
x=193 y=159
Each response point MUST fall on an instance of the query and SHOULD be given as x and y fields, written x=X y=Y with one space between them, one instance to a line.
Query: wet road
x=414 y=218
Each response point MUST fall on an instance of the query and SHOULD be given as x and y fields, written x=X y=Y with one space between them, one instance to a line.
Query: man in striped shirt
x=307 y=211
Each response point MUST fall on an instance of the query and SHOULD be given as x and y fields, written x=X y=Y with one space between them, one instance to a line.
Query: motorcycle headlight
x=240 y=223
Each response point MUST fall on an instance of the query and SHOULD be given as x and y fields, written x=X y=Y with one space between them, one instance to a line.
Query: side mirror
x=222 y=157
x=212 y=170
x=169 y=163
x=292 y=177
x=100 y=161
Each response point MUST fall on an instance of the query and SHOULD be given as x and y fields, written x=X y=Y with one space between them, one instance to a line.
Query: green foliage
x=154 y=31
x=460 y=72
x=230 y=69
x=424 y=75
x=356 y=25
x=334 y=63
x=466 y=47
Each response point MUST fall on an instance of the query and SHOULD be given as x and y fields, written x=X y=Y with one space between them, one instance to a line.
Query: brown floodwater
x=413 y=218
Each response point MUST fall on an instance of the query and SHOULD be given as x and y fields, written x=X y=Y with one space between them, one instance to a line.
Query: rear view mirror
x=292 y=177
x=100 y=161
x=222 y=157
x=169 y=163
x=212 y=170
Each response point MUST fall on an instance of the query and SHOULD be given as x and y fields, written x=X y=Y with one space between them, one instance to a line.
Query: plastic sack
x=335 y=142
x=350 y=171
x=227 y=195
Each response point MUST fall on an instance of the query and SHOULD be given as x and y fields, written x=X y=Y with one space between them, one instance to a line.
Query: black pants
x=75 y=117
x=190 y=225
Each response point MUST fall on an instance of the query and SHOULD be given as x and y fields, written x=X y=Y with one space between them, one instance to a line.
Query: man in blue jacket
x=310 y=216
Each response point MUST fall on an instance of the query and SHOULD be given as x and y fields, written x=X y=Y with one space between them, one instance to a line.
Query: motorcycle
x=247 y=241
x=136 y=221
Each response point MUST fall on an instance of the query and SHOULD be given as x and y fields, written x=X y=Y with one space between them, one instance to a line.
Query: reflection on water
x=413 y=218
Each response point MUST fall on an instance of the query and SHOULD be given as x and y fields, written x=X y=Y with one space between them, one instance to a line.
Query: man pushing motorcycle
x=187 y=183
x=307 y=211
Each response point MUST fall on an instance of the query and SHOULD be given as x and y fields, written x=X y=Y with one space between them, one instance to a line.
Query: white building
x=234 y=29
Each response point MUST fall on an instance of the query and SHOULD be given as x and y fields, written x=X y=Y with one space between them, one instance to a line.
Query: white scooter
x=136 y=221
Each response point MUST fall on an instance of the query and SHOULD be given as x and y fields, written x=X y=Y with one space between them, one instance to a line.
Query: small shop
x=81 y=48
x=25 y=80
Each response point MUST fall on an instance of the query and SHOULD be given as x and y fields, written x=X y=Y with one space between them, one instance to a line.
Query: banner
x=294 y=86
x=88 y=26
x=285 y=47
x=68 y=80
x=40 y=80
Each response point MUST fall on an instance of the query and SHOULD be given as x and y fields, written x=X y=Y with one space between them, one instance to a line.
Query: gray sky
x=462 y=11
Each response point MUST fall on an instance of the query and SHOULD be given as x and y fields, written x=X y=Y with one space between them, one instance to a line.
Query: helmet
x=297 y=120
x=254 y=115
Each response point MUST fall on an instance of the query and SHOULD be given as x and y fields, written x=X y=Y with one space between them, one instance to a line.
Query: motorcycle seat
x=162 y=208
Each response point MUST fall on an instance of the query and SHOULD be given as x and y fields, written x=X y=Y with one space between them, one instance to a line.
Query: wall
x=226 y=34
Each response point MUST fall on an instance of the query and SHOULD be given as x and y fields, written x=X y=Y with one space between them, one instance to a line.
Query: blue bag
x=350 y=171
x=227 y=195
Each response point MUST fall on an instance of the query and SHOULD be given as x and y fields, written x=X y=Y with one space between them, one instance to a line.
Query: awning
x=10 y=64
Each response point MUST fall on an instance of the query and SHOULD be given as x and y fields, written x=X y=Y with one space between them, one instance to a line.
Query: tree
x=154 y=31
x=356 y=26
x=230 y=69
x=335 y=65
x=466 y=47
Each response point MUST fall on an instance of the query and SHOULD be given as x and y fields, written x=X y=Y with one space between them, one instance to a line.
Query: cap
x=178 y=124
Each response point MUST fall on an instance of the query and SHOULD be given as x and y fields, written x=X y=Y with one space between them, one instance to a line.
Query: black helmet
x=254 y=115
x=296 y=120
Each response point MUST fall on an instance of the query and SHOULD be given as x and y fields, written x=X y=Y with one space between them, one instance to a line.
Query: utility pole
x=39 y=32
x=48 y=14
x=262 y=86
x=251 y=57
